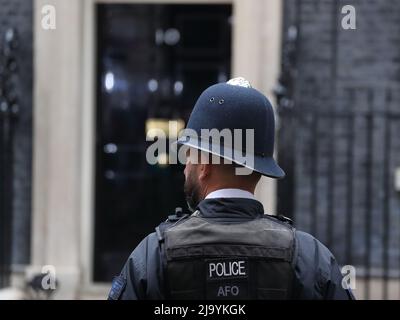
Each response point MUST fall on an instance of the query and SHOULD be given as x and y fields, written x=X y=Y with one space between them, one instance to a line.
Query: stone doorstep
x=11 y=293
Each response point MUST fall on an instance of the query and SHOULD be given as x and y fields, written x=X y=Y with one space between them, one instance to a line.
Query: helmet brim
x=266 y=166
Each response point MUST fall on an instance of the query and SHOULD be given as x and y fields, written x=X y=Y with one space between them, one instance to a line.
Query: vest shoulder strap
x=170 y=222
x=196 y=236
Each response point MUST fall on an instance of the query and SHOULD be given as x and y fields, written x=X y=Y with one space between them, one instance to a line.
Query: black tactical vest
x=203 y=259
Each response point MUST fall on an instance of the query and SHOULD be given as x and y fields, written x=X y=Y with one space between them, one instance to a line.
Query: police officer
x=228 y=248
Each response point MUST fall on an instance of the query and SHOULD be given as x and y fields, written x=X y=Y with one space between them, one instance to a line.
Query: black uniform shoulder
x=311 y=247
x=317 y=270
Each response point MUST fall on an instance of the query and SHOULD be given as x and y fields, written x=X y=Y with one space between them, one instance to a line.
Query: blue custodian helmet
x=235 y=105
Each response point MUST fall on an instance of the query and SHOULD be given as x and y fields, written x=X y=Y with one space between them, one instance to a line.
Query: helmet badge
x=240 y=81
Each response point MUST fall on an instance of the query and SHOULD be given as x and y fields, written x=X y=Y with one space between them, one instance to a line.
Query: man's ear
x=204 y=171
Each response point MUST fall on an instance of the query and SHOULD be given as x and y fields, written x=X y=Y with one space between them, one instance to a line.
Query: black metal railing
x=338 y=143
x=8 y=111
x=347 y=158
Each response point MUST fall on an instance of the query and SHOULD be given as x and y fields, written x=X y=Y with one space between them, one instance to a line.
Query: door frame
x=256 y=40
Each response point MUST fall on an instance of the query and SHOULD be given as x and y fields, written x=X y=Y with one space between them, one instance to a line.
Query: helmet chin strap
x=192 y=203
x=192 y=200
x=191 y=209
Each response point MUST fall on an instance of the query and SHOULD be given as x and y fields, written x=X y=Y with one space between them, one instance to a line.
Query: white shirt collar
x=230 y=193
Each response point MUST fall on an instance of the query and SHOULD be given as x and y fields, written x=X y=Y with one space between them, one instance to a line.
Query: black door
x=152 y=63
